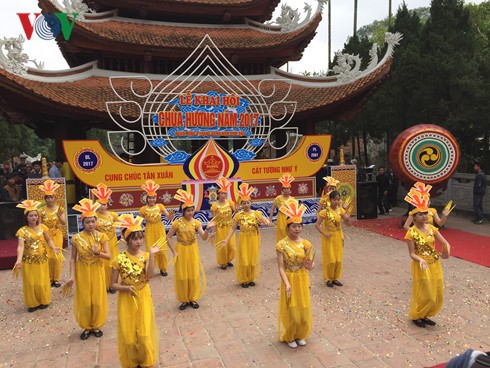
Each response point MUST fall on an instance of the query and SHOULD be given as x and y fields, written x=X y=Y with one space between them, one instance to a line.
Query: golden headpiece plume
x=331 y=181
x=418 y=196
x=130 y=223
x=49 y=187
x=87 y=208
x=245 y=192
x=150 y=187
x=223 y=184
x=102 y=193
x=186 y=198
x=29 y=205
x=293 y=210
x=286 y=180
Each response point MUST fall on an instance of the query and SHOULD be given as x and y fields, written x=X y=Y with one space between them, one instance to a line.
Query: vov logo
x=48 y=26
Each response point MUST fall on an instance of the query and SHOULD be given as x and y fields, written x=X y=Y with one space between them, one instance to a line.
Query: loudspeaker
x=367 y=201
x=11 y=220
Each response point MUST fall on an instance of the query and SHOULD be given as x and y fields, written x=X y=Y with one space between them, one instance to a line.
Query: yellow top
x=223 y=213
x=85 y=242
x=50 y=218
x=34 y=244
x=152 y=214
x=105 y=224
x=248 y=221
x=132 y=270
x=294 y=253
x=425 y=244
x=186 y=231
x=332 y=218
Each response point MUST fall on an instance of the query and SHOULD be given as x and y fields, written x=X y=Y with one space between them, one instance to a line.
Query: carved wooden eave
x=209 y=11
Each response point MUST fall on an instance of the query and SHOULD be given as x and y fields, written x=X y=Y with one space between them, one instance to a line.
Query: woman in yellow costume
x=428 y=282
x=32 y=258
x=90 y=248
x=137 y=334
x=222 y=211
x=332 y=238
x=286 y=181
x=53 y=216
x=331 y=185
x=294 y=260
x=189 y=273
x=105 y=224
x=248 y=260
x=154 y=229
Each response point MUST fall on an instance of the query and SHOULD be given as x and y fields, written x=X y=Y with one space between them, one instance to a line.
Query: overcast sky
x=314 y=59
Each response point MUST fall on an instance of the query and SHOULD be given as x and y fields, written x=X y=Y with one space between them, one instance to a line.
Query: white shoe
x=292 y=344
x=301 y=342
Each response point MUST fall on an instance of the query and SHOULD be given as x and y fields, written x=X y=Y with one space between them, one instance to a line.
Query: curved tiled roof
x=125 y=36
x=87 y=95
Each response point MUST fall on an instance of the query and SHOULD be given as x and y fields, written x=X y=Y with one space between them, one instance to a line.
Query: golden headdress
x=87 y=208
x=293 y=210
x=418 y=196
x=150 y=187
x=29 y=205
x=102 y=193
x=286 y=180
x=331 y=181
x=186 y=198
x=245 y=192
x=223 y=184
x=49 y=187
x=130 y=223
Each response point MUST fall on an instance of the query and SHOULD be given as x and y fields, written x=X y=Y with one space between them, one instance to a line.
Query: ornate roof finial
x=15 y=60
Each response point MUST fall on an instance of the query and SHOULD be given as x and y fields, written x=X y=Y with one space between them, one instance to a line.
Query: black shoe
x=111 y=290
x=428 y=322
x=183 y=306
x=337 y=282
x=251 y=283
x=418 y=322
x=43 y=306
x=230 y=264
x=52 y=282
x=381 y=213
x=194 y=305
x=330 y=283
x=244 y=285
x=164 y=273
x=97 y=333
x=85 y=335
x=223 y=267
x=479 y=222
x=32 y=309
x=56 y=284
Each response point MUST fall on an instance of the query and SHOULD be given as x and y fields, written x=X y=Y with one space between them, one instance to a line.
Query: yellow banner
x=92 y=164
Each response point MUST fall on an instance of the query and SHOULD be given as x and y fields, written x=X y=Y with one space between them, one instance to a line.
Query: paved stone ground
x=362 y=324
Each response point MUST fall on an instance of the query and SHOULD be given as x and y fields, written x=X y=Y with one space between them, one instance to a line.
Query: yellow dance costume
x=248 y=261
x=224 y=221
x=427 y=286
x=105 y=224
x=90 y=304
x=137 y=334
x=332 y=248
x=295 y=312
x=281 y=217
x=189 y=277
x=51 y=220
x=35 y=270
x=155 y=230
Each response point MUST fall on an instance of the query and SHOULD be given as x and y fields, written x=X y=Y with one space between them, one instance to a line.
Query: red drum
x=426 y=153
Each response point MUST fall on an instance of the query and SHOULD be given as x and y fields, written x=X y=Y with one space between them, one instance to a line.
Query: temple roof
x=82 y=93
x=213 y=11
x=108 y=35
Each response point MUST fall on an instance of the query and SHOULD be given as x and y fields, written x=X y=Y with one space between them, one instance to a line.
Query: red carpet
x=470 y=247
x=8 y=254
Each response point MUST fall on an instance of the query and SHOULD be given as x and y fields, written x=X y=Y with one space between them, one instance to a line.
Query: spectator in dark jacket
x=479 y=189
x=384 y=182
